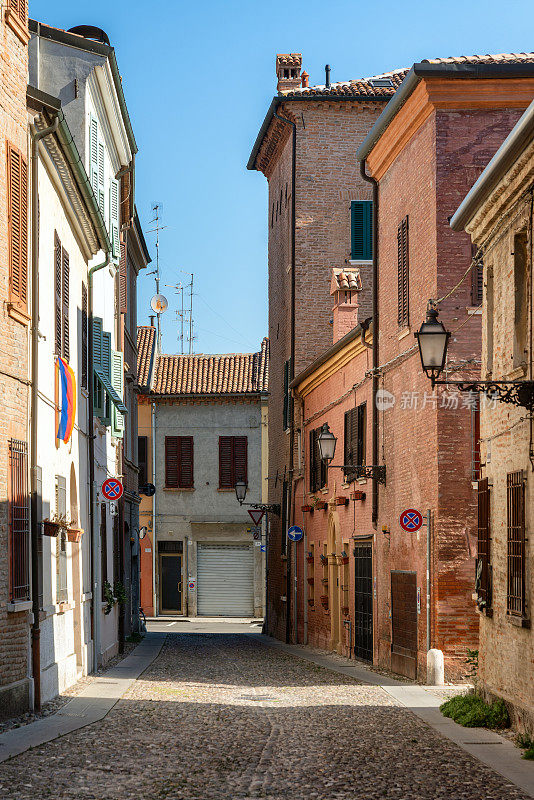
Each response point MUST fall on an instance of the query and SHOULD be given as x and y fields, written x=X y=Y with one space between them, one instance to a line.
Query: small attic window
x=381 y=82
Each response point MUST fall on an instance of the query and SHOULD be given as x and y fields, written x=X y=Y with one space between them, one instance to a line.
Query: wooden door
x=404 y=623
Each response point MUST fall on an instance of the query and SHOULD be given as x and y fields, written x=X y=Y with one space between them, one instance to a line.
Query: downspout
x=291 y=375
x=36 y=137
x=95 y=538
x=374 y=183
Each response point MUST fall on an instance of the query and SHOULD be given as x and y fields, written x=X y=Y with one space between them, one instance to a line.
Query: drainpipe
x=93 y=515
x=291 y=376
x=374 y=423
x=36 y=137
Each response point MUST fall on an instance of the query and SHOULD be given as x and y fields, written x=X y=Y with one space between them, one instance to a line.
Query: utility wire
x=239 y=333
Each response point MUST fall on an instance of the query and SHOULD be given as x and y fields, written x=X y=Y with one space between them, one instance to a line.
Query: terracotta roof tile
x=146 y=346
x=289 y=59
x=496 y=58
x=346 y=279
x=357 y=87
x=234 y=373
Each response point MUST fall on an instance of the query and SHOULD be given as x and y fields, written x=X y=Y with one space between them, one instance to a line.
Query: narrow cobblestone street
x=224 y=716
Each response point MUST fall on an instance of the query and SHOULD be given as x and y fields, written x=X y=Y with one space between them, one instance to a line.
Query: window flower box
x=51 y=528
x=309 y=558
x=324 y=559
x=74 y=535
x=357 y=495
x=342 y=501
x=324 y=581
x=345 y=610
x=324 y=600
x=321 y=505
x=307 y=508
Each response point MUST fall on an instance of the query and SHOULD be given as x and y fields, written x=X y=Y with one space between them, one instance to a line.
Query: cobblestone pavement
x=223 y=717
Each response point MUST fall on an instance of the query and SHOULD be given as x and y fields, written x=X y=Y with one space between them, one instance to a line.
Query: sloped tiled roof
x=496 y=58
x=146 y=346
x=357 y=87
x=346 y=280
x=233 y=373
x=289 y=59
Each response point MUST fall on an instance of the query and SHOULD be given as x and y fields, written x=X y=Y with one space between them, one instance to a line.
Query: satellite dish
x=159 y=304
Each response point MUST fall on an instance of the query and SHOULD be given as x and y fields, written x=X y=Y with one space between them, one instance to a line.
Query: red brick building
x=15 y=685
x=334 y=561
x=430 y=144
x=317 y=199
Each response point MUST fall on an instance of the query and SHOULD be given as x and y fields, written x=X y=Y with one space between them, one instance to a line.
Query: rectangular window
x=288 y=398
x=142 y=459
x=62 y=594
x=483 y=576
x=515 y=496
x=233 y=460
x=17 y=211
x=103 y=548
x=19 y=522
x=403 y=268
x=318 y=469
x=520 y=299
x=475 y=439
x=61 y=311
x=355 y=423
x=361 y=230
x=179 y=462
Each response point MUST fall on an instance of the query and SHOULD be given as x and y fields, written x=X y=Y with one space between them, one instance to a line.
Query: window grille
x=61 y=542
x=515 y=491
x=403 y=266
x=483 y=574
x=19 y=534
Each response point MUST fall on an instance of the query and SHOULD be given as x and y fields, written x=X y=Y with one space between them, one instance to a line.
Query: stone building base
x=522 y=717
x=16 y=698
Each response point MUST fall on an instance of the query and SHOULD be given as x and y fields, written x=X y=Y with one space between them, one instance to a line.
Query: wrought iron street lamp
x=241 y=488
x=433 y=340
x=327 y=447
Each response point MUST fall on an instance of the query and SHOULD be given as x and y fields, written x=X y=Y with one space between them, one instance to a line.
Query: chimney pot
x=304 y=79
x=288 y=67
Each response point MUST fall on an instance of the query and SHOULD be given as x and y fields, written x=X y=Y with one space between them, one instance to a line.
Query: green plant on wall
x=120 y=594
x=472 y=665
x=109 y=597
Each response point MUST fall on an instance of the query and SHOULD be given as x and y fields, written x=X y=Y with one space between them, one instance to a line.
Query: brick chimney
x=345 y=286
x=288 y=67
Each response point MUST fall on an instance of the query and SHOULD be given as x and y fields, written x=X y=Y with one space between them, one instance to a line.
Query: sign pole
x=428 y=548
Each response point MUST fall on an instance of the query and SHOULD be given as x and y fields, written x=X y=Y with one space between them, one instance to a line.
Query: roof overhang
x=424 y=70
x=521 y=135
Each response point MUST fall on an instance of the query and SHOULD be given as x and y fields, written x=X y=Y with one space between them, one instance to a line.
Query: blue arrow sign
x=295 y=534
x=263 y=548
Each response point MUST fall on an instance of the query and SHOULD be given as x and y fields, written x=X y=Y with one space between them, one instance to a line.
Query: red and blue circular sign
x=411 y=520
x=112 y=489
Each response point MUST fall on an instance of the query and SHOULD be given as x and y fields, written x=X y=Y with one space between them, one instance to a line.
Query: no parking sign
x=411 y=520
x=112 y=489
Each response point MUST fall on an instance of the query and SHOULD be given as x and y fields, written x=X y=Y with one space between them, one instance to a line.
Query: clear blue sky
x=198 y=79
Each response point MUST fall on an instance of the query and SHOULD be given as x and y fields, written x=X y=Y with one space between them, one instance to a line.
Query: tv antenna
x=185 y=316
x=156 y=209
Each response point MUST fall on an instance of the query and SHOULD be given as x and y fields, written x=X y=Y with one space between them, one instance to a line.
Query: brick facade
x=15 y=686
x=426 y=446
x=327 y=179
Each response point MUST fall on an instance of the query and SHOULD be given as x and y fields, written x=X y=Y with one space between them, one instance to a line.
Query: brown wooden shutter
x=57 y=294
x=313 y=487
x=240 y=459
x=477 y=277
x=185 y=453
x=171 y=462
x=483 y=543
x=361 y=418
x=84 y=336
x=403 y=272
x=20 y=7
x=123 y=280
x=65 y=304
x=17 y=169
x=226 y=462
x=125 y=214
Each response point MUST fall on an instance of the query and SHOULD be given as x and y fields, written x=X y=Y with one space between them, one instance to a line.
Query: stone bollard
x=435 y=669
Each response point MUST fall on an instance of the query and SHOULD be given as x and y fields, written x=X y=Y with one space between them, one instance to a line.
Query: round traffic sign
x=411 y=520
x=112 y=489
x=295 y=534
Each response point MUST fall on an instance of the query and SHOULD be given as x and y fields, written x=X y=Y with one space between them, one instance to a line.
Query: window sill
x=18 y=313
x=179 y=489
x=18 y=606
x=13 y=21
x=404 y=333
x=354 y=262
x=518 y=622
x=224 y=489
x=473 y=310
x=84 y=392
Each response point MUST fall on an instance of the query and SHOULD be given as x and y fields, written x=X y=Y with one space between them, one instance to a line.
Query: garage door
x=225 y=580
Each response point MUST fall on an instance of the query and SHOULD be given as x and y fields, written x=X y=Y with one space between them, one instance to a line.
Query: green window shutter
x=98 y=393
x=93 y=154
x=117 y=381
x=114 y=218
x=361 y=226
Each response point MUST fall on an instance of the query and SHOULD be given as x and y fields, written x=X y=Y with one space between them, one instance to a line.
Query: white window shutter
x=93 y=153
x=114 y=218
x=101 y=176
x=117 y=381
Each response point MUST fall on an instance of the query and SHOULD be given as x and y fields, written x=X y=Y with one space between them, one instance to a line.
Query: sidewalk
x=91 y=705
x=497 y=752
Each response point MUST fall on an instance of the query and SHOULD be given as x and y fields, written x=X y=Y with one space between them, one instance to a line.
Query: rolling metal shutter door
x=225 y=580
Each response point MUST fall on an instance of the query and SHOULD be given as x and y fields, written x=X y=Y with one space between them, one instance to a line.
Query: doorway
x=170 y=577
x=404 y=623
x=363 y=601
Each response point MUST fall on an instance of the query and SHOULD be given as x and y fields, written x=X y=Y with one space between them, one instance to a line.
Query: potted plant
x=307 y=508
x=321 y=505
x=324 y=559
x=74 y=534
x=357 y=495
x=343 y=557
x=342 y=501
x=324 y=600
x=311 y=581
x=309 y=558
x=52 y=527
x=109 y=597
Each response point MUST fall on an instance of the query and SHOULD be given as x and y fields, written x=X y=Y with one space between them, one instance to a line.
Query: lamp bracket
x=517 y=393
x=273 y=508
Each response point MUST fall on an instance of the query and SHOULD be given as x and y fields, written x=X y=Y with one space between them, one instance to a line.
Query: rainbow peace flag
x=67 y=391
